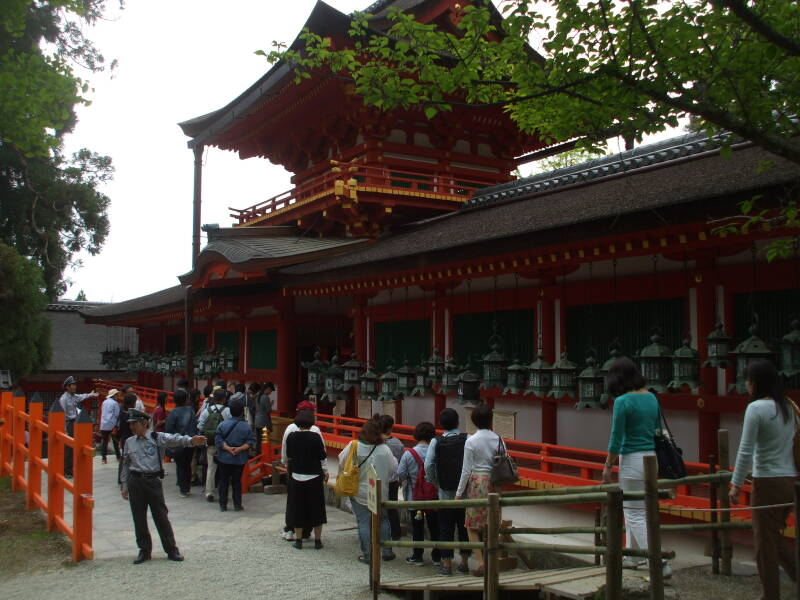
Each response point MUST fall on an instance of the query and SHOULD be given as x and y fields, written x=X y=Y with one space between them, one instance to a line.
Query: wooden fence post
x=5 y=430
x=491 y=558
x=614 y=547
x=797 y=538
x=82 y=500
x=34 y=450
x=55 y=465
x=653 y=527
x=598 y=536
x=18 y=431
x=713 y=502
x=726 y=550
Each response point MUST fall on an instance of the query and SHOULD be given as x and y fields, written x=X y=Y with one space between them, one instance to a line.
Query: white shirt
x=110 y=416
x=479 y=450
x=767 y=444
x=285 y=459
x=139 y=404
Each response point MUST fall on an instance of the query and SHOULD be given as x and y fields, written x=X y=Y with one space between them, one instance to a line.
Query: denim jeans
x=363 y=520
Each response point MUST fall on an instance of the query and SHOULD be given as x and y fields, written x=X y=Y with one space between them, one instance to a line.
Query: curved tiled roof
x=160 y=299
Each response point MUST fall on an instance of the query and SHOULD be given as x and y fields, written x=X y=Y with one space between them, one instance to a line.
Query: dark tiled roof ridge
x=378 y=6
x=73 y=305
x=662 y=151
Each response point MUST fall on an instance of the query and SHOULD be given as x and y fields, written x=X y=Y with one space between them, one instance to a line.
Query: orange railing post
x=34 y=450
x=83 y=501
x=55 y=466
x=18 y=450
x=5 y=432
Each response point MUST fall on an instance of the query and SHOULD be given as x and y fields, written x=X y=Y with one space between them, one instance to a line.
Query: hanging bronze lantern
x=334 y=380
x=420 y=372
x=405 y=379
x=494 y=363
x=387 y=384
x=655 y=363
x=752 y=349
x=352 y=372
x=450 y=376
x=563 y=378
x=231 y=362
x=790 y=351
x=515 y=378
x=685 y=367
x=540 y=376
x=719 y=348
x=468 y=386
x=435 y=368
x=591 y=383
x=369 y=384
x=315 y=375
x=198 y=369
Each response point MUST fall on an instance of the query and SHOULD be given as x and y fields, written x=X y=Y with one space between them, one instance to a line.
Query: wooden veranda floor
x=575 y=583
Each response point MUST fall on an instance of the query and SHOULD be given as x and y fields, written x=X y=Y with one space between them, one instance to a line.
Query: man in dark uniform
x=141 y=477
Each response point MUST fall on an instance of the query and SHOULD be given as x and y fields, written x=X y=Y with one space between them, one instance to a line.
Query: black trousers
x=183 y=468
x=451 y=519
x=230 y=476
x=104 y=446
x=392 y=513
x=69 y=428
x=148 y=492
x=418 y=532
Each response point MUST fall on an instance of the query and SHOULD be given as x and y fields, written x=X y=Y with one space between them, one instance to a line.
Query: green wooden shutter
x=598 y=326
x=262 y=349
x=173 y=343
x=396 y=341
x=199 y=342
x=227 y=341
x=471 y=333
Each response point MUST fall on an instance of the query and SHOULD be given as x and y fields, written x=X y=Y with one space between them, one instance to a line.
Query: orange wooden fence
x=22 y=461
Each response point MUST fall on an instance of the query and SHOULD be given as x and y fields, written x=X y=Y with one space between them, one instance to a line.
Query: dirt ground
x=25 y=543
x=697 y=583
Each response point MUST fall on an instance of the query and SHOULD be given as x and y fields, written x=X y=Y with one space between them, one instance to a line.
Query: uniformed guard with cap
x=142 y=472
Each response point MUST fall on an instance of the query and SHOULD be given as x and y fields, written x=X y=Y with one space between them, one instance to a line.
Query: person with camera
x=141 y=476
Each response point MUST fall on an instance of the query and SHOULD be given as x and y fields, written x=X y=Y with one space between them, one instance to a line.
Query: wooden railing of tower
x=21 y=459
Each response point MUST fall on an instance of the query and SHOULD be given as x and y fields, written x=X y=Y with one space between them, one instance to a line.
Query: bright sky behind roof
x=177 y=60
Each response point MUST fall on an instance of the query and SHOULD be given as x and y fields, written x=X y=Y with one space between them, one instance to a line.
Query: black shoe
x=175 y=555
x=238 y=508
x=223 y=508
x=298 y=544
x=318 y=545
x=143 y=556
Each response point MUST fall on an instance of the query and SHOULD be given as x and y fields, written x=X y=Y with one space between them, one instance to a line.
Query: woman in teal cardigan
x=633 y=425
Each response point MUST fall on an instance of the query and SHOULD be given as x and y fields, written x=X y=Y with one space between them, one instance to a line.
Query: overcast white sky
x=177 y=60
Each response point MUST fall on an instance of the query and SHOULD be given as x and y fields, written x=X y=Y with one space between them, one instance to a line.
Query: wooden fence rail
x=23 y=435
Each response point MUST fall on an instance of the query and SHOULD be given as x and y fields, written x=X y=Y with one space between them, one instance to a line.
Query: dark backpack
x=449 y=458
x=423 y=489
x=212 y=422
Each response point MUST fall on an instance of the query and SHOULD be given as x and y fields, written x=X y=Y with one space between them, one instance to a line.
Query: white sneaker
x=288 y=536
x=666 y=570
x=632 y=562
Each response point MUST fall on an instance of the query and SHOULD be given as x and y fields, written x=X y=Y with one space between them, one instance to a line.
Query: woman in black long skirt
x=305 y=501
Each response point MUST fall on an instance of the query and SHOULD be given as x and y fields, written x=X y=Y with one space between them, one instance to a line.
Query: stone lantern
x=435 y=369
x=315 y=375
x=450 y=376
x=405 y=379
x=468 y=386
x=540 y=376
x=369 y=384
x=387 y=385
x=563 y=378
x=352 y=372
x=655 y=363
x=515 y=378
x=719 y=348
x=790 y=351
x=685 y=368
x=752 y=349
x=591 y=384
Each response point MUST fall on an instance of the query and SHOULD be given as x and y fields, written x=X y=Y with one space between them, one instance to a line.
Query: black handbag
x=669 y=455
x=504 y=469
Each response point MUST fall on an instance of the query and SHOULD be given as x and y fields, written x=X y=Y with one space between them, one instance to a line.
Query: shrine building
x=408 y=269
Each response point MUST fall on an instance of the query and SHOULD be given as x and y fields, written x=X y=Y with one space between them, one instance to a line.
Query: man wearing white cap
x=109 y=420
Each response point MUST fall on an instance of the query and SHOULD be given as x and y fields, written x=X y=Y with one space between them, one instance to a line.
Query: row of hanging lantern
x=206 y=365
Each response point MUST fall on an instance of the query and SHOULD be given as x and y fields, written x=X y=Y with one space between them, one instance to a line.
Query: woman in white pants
x=634 y=422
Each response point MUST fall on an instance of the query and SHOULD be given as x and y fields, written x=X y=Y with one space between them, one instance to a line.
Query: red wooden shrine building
x=407 y=241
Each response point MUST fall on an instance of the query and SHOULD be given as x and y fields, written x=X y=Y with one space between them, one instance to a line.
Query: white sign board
x=372 y=496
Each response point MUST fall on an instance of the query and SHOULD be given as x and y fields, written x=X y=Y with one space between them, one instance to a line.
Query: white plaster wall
x=529 y=417
x=587 y=428
x=685 y=427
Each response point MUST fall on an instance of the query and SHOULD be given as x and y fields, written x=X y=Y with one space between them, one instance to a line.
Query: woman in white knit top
x=766 y=448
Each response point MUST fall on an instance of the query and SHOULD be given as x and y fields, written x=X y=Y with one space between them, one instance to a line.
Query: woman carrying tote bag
x=767 y=447
x=634 y=423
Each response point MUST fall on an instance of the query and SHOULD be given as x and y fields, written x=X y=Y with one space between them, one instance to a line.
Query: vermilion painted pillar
x=439 y=404
x=287 y=357
x=706 y=322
